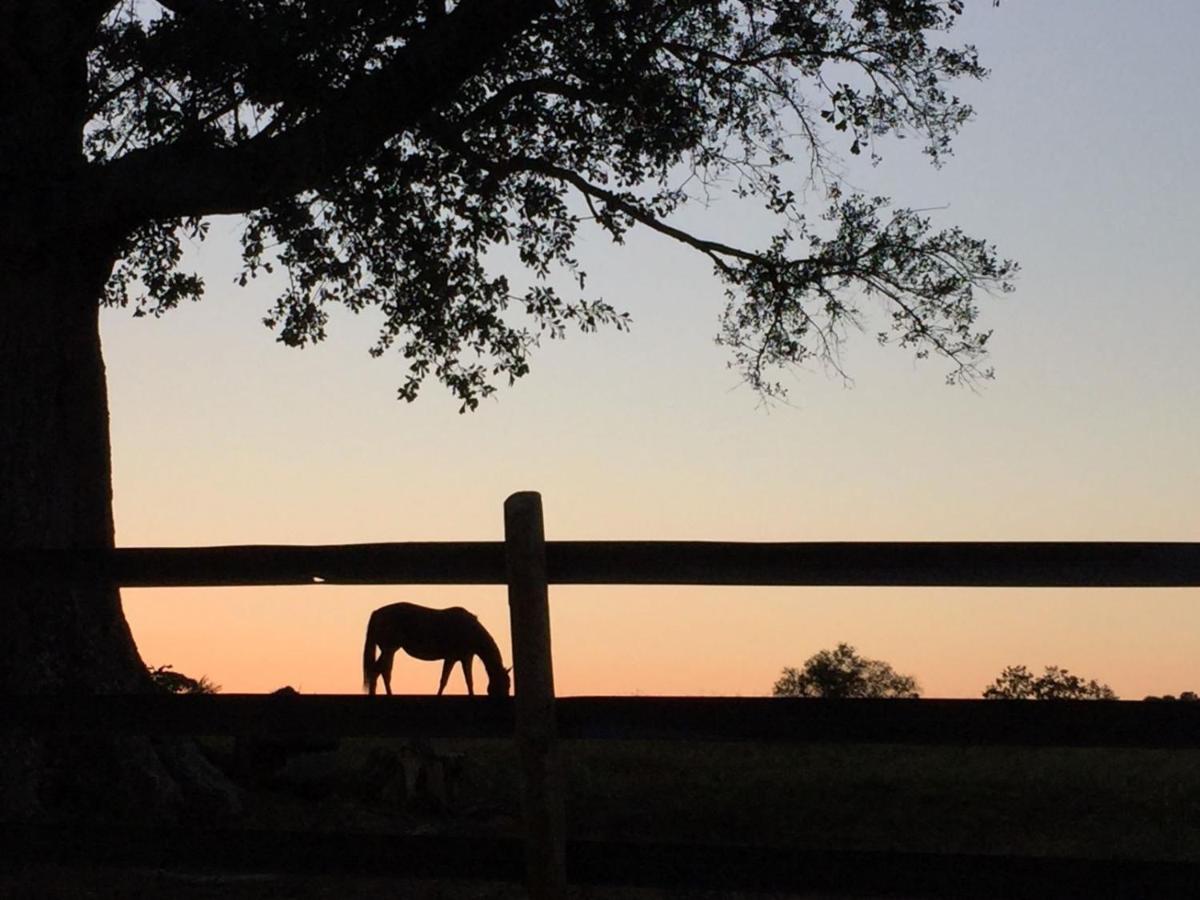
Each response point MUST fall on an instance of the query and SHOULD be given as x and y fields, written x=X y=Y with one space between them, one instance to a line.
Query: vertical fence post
x=541 y=772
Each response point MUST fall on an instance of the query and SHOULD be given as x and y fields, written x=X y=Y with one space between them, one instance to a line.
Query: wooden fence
x=527 y=564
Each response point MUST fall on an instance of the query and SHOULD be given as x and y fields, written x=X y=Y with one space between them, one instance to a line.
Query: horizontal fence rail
x=1068 y=723
x=1063 y=723
x=946 y=564
x=471 y=562
x=914 y=564
x=259 y=715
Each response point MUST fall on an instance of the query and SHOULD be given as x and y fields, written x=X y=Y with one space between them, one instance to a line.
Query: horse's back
x=396 y=610
x=404 y=608
x=403 y=615
x=424 y=632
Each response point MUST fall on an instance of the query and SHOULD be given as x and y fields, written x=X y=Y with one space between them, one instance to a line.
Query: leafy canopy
x=1055 y=683
x=842 y=674
x=387 y=156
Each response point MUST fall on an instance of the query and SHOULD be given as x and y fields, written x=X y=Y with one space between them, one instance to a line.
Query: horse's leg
x=386 y=658
x=447 y=665
x=467 y=663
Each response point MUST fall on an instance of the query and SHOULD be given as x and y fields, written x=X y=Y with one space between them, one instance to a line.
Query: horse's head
x=498 y=686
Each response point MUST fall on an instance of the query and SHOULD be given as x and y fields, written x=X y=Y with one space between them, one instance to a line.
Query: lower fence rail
x=600 y=863
x=1061 y=723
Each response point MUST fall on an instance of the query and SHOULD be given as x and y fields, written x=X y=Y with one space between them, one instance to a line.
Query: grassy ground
x=1142 y=804
x=1138 y=804
x=1077 y=802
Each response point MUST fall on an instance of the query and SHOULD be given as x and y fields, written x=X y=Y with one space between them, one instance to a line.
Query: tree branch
x=195 y=178
x=715 y=250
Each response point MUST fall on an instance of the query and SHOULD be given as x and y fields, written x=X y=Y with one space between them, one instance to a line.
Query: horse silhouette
x=453 y=635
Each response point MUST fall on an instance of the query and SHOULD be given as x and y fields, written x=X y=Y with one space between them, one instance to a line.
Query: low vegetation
x=1090 y=803
x=166 y=679
x=1046 y=801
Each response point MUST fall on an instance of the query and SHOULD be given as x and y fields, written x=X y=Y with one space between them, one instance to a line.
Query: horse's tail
x=369 y=655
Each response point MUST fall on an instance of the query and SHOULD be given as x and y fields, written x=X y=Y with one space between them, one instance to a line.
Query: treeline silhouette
x=843 y=673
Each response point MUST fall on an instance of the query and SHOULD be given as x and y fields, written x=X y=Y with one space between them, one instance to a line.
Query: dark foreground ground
x=1082 y=803
x=1094 y=803
x=125 y=884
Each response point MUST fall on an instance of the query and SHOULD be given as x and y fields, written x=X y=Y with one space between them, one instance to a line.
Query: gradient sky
x=1080 y=164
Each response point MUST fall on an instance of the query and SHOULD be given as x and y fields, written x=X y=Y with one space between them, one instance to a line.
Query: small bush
x=171 y=682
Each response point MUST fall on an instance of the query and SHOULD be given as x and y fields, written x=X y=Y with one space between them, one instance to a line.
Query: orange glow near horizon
x=685 y=641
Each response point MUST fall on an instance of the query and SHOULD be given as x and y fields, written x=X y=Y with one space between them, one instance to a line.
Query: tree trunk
x=56 y=492
x=57 y=486
x=55 y=481
x=55 y=472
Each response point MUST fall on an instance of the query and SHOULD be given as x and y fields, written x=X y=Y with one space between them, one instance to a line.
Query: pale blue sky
x=1079 y=164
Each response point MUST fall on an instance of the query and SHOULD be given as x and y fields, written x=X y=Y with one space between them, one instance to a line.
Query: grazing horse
x=453 y=635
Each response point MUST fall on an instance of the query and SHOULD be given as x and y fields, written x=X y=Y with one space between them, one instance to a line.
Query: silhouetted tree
x=1018 y=683
x=841 y=673
x=380 y=153
x=165 y=679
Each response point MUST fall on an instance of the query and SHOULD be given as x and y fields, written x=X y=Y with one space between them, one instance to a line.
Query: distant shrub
x=841 y=673
x=1055 y=683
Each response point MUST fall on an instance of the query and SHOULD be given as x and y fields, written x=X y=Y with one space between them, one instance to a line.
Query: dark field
x=1092 y=803
x=1141 y=804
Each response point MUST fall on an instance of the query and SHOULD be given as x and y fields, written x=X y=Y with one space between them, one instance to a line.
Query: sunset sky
x=1081 y=164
